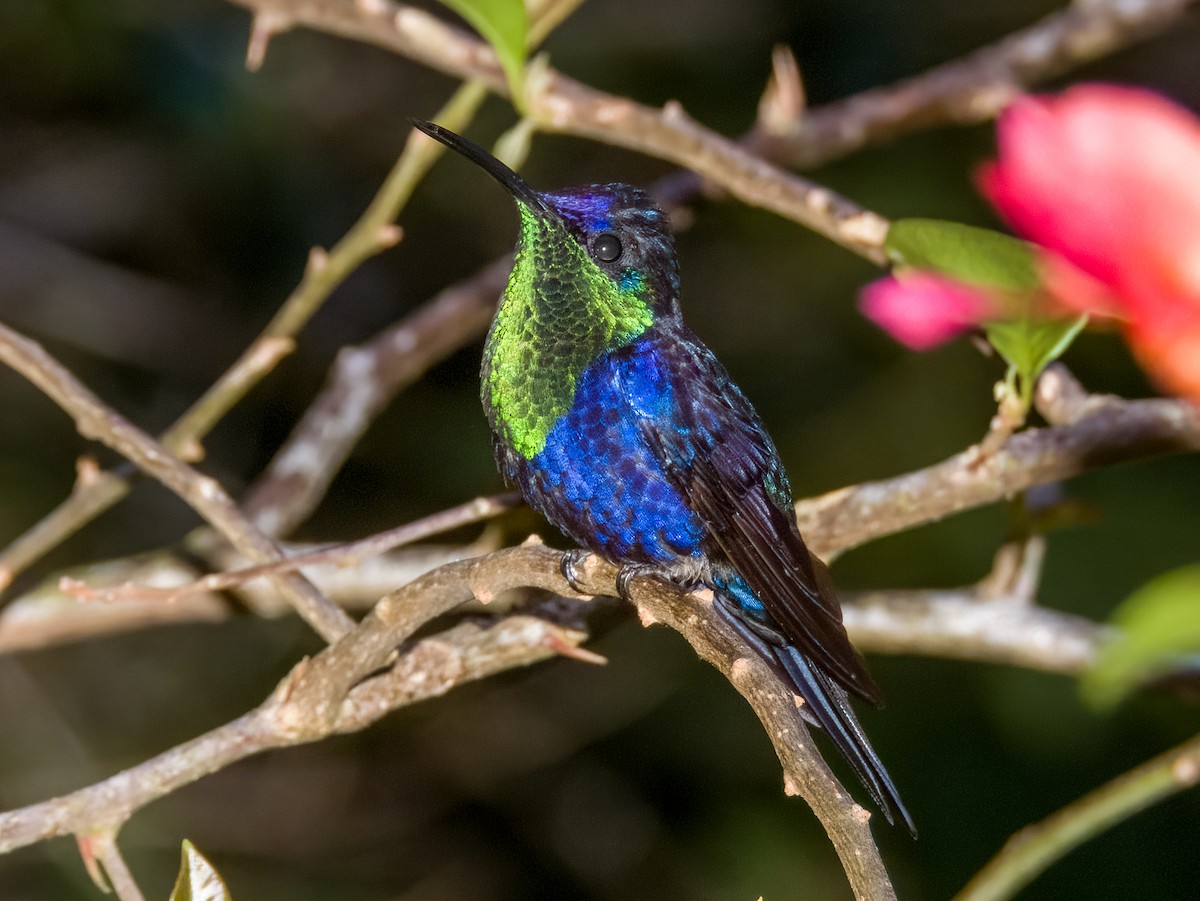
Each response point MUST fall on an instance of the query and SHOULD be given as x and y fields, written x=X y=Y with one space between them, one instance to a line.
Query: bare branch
x=970 y=89
x=341 y=554
x=1114 y=431
x=963 y=625
x=974 y=88
x=361 y=383
x=96 y=421
x=804 y=770
x=324 y=695
x=558 y=103
x=328 y=694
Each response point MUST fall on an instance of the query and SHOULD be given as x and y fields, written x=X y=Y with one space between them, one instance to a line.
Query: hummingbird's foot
x=631 y=571
x=569 y=567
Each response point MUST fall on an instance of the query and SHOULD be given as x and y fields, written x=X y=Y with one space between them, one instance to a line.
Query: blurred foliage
x=1159 y=630
x=157 y=202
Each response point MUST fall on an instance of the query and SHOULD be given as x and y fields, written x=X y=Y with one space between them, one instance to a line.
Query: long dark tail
x=826 y=705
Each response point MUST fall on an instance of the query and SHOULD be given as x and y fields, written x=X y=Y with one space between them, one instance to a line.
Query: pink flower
x=921 y=309
x=1107 y=180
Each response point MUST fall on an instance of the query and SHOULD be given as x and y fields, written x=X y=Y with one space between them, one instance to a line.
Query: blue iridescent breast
x=598 y=481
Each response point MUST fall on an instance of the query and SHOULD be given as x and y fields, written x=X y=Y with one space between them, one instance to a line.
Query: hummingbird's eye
x=607 y=247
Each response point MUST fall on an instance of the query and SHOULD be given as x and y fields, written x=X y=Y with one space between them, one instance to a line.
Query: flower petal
x=1108 y=177
x=1107 y=180
x=922 y=310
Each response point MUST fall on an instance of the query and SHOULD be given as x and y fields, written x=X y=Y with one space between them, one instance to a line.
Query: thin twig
x=1032 y=850
x=46 y=616
x=341 y=554
x=115 y=869
x=975 y=87
x=96 y=421
x=360 y=384
x=374 y=232
x=87 y=500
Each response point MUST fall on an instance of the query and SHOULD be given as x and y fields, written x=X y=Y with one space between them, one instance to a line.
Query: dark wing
x=714 y=449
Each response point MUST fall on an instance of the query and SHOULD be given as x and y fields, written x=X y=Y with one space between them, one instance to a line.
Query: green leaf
x=504 y=25
x=198 y=880
x=978 y=256
x=1159 y=628
x=1029 y=345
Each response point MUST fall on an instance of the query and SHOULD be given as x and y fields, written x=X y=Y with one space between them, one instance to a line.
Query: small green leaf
x=1159 y=628
x=1029 y=345
x=198 y=880
x=504 y=25
x=978 y=256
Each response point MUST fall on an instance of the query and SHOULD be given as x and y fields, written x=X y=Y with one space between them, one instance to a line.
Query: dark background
x=157 y=203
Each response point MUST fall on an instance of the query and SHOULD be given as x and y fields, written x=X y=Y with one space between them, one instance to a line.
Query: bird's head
x=596 y=249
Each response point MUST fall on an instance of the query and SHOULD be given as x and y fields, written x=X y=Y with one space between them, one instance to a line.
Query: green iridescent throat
x=558 y=314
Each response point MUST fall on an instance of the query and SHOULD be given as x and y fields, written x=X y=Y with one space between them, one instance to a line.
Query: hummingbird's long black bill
x=516 y=185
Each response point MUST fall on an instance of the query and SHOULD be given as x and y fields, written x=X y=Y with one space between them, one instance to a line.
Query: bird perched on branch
x=623 y=430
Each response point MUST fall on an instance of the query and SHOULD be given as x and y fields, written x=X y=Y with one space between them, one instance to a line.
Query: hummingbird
x=621 y=428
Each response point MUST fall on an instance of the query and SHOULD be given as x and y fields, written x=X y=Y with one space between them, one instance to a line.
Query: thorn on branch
x=482 y=591
x=318 y=261
x=105 y=865
x=1010 y=416
x=87 y=851
x=645 y=617
x=1016 y=571
x=390 y=235
x=565 y=648
x=1186 y=771
x=87 y=472
x=267 y=24
x=191 y=450
x=783 y=101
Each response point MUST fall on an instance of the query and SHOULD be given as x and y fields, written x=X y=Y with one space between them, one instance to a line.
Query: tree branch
x=96 y=421
x=362 y=382
x=970 y=89
x=334 y=692
x=1108 y=432
x=963 y=625
x=974 y=88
